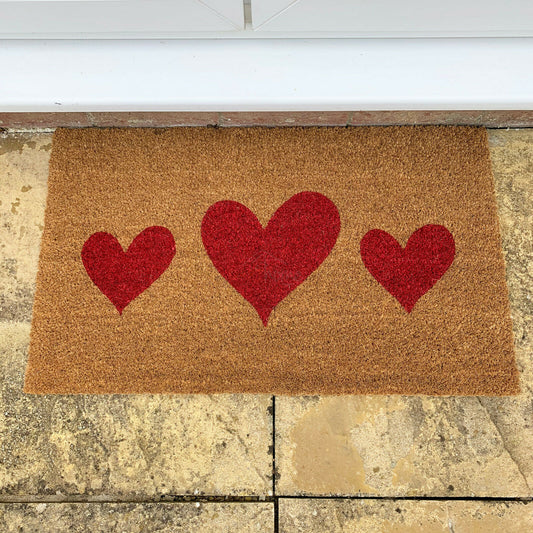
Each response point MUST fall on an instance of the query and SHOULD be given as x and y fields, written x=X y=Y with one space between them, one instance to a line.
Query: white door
x=118 y=18
x=394 y=18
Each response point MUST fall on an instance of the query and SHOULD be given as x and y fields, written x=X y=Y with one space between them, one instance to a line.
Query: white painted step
x=267 y=74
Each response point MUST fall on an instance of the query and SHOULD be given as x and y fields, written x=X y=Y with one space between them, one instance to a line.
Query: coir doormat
x=289 y=261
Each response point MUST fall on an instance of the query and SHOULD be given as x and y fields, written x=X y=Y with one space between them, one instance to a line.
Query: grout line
x=224 y=499
x=276 y=515
x=274 y=467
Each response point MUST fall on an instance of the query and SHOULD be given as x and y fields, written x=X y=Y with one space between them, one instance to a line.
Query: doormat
x=285 y=261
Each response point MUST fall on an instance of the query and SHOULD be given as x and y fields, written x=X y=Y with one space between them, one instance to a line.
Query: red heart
x=265 y=264
x=408 y=273
x=120 y=275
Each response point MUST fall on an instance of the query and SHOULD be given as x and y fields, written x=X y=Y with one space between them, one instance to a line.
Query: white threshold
x=266 y=74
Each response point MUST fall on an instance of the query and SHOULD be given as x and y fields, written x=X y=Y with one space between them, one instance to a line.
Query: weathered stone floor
x=105 y=463
x=373 y=516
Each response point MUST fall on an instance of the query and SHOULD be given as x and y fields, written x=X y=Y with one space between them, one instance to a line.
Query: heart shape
x=265 y=264
x=120 y=275
x=408 y=273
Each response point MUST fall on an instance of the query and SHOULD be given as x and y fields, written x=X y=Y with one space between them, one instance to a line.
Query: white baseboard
x=266 y=75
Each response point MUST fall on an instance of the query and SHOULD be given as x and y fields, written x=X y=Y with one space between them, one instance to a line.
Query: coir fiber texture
x=287 y=261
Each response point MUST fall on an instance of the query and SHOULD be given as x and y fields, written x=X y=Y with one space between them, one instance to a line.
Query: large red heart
x=408 y=273
x=120 y=275
x=265 y=264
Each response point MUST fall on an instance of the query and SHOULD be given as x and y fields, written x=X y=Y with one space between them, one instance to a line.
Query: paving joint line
x=274 y=467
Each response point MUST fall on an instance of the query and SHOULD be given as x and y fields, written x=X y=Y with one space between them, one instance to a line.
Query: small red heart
x=265 y=264
x=408 y=273
x=120 y=275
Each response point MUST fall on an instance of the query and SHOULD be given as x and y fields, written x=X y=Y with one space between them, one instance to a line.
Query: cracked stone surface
x=416 y=446
x=372 y=516
x=136 y=518
x=118 y=447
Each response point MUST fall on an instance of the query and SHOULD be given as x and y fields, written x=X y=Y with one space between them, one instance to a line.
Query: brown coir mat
x=288 y=261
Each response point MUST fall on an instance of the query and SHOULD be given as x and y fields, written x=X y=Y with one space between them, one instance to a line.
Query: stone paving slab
x=417 y=446
x=137 y=518
x=120 y=447
x=23 y=177
x=390 y=516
